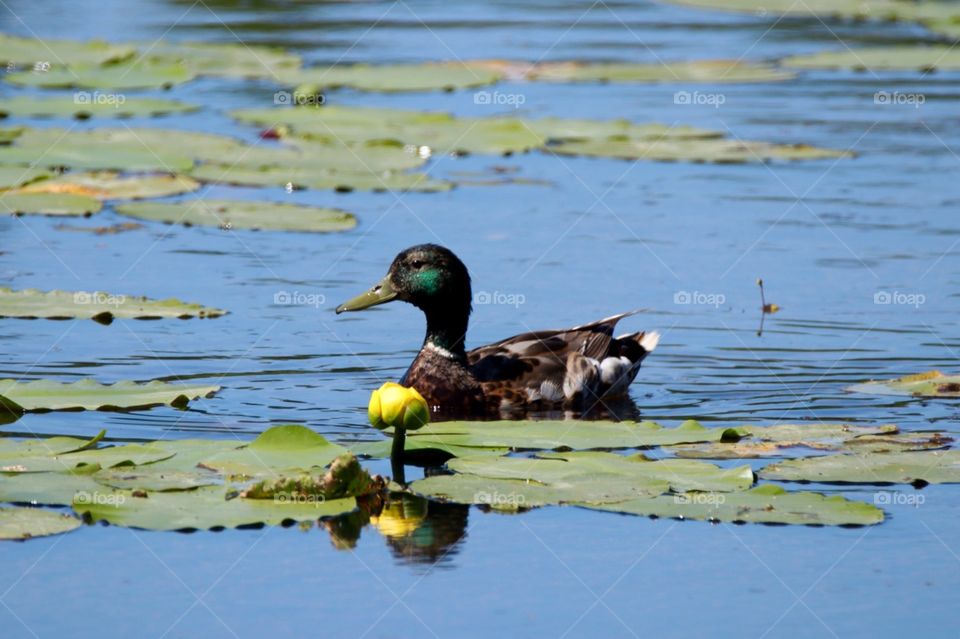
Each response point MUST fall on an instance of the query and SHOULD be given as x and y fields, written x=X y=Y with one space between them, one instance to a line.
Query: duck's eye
x=417 y=264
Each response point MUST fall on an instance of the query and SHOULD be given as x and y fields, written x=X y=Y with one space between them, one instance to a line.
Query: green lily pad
x=27 y=523
x=514 y=494
x=902 y=58
x=129 y=74
x=929 y=384
x=46 y=461
x=713 y=71
x=150 y=478
x=129 y=150
x=30 y=51
x=929 y=467
x=307 y=177
x=243 y=214
x=207 y=507
x=762 y=505
x=720 y=151
x=231 y=60
x=97 y=305
x=109 y=185
x=87 y=394
x=779 y=440
x=50 y=488
x=47 y=445
x=10 y=133
x=554 y=435
x=14 y=176
x=84 y=105
x=277 y=451
x=681 y=475
x=56 y=204
x=431 y=76
x=940 y=17
x=297 y=155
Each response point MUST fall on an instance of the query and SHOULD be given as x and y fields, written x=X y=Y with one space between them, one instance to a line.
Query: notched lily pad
x=27 y=523
x=243 y=214
x=87 y=394
x=96 y=305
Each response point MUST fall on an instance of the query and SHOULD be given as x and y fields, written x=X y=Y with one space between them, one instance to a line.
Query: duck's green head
x=428 y=276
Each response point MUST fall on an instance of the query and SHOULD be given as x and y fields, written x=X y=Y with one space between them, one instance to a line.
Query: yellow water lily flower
x=397 y=406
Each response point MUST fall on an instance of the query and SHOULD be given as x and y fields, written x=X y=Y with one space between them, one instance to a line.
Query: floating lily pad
x=930 y=467
x=781 y=439
x=109 y=185
x=442 y=133
x=713 y=71
x=555 y=435
x=130 y=74
x=102 y=307
x=14 y=176
x=47 y=445
x=929 y=384
x=153 y=479
x=50 y=488
x=208 y=507
x=87 y=394
x=431 y=76
x=27 y=523
x=10 y=133
x=83 y=105
x=902 y=58
x=762 y=505
x=31 y=51
x=243 y=214
x=681 y=475
x=941 y=17
x=721 y=151
x=55 y=204
x=108 y=457
x=129 y=150
x=296 y=155
x=516 y=494
x=232 y=59
x=307 y=177
x=279 y=450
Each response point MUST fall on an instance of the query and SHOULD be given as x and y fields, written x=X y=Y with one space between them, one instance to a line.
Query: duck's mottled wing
x=536 y=363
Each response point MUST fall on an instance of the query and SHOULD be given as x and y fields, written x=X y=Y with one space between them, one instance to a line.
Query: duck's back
x=571 y=367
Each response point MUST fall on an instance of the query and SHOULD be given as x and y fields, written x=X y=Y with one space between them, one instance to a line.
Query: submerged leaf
x=929 y=384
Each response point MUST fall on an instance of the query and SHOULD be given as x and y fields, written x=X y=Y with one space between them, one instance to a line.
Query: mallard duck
x=571 y=368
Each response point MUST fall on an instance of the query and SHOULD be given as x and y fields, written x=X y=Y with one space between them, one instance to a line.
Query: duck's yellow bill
x=381 y=293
